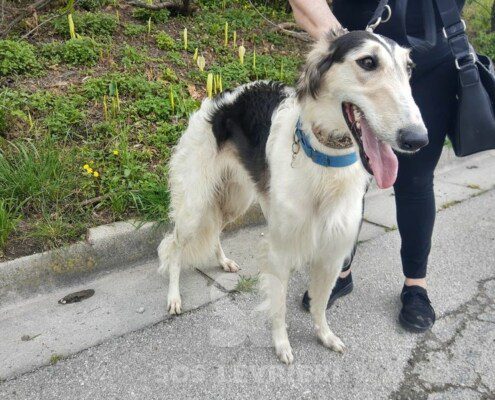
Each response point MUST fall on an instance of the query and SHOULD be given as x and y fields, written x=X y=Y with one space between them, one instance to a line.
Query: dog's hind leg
x=234 y=198
x=323 y=276
x=274 y=282
x=226 y=263
x=168 y=254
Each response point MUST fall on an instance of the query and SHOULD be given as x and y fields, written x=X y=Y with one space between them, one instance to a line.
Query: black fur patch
x=246 y=123
x=337 y=52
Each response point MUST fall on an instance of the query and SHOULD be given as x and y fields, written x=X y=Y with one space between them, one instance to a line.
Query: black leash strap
x=377 y=17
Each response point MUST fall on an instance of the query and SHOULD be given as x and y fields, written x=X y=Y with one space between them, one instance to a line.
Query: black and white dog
x=306 y=155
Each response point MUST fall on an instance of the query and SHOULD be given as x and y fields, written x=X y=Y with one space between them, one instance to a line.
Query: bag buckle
x=456 y=32
x=372 y=27
x=471 y=57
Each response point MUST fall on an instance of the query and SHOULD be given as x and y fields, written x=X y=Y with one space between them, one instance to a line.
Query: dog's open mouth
x=377 y=157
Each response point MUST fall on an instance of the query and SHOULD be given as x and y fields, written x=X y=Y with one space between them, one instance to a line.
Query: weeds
x=165 y=42
x=87 y=24
x=8 y=220
x=17 y=57
x=80 y=51
x=247 y=284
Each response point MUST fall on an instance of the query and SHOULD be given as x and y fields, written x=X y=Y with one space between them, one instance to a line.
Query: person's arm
x=314 y=16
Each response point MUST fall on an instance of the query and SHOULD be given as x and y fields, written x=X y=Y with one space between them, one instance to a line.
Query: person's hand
x=314 y=16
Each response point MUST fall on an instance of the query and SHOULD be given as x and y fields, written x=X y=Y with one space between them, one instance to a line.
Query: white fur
x=313 y=212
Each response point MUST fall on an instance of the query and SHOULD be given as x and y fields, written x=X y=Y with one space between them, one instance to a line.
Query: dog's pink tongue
x=382 y=159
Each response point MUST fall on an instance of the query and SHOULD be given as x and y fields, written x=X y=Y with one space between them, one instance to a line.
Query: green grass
x=55 y=358
x=247 y=284
x=8 y=221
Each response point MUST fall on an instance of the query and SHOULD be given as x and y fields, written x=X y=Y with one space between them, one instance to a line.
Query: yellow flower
x=90 y=170
x=86 y=166
x=115 y=152
x=96 y=174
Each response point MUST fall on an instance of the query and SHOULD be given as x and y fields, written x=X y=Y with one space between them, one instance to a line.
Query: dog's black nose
x=412 y=139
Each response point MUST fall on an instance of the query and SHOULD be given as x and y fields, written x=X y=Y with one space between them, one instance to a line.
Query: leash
x=325 y=160
x=377 y=17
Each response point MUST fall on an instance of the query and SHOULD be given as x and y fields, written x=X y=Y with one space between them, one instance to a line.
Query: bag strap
x=377 y=17
x=454 y=30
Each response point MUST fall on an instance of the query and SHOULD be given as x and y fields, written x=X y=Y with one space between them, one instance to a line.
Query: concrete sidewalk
x=220 y=332
x=222 y=350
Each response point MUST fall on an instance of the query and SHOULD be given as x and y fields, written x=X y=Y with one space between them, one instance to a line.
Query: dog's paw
x=332 y=341
x=174 y=306
x=284 y=352
x=230 y=265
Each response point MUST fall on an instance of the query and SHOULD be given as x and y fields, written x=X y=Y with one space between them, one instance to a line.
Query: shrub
x=156 y=16
x=91 y=5
x=131 y=56
x=135 y=29
x=129 y=85
x=79 y=51
x=17 y=58
x=165 y=42
x=478 y=19
x=87 y=24
x=65 y=118
x=485 y=43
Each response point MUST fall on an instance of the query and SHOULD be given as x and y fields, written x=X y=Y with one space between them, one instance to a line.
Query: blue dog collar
x=320 y=158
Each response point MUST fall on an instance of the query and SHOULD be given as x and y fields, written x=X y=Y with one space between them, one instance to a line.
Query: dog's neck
x=327 y=127
x=334 y=139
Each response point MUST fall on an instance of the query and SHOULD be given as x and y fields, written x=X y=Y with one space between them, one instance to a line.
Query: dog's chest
x=332 y=208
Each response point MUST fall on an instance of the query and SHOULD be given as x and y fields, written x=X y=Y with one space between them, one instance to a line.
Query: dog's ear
x=319 y=61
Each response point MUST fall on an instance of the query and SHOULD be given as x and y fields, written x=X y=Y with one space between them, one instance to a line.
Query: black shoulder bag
x=475 y=125
x=474 y=129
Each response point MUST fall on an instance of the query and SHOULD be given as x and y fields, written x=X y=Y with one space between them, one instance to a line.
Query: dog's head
x=359 y=82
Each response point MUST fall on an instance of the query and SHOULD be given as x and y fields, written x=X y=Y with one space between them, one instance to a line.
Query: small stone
x=25 y=338
x=140 y=310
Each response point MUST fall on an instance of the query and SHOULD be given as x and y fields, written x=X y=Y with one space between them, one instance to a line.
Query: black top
x=406 y=26
x=355 y=14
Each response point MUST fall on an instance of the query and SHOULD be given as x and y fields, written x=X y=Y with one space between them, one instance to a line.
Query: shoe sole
x=411 y=327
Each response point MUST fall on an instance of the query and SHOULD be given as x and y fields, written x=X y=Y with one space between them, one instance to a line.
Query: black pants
x=434 y=91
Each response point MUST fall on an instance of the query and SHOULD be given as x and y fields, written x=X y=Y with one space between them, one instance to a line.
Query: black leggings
x=434 y=91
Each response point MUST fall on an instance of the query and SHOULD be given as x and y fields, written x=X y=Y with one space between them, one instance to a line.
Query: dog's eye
x=367 y=63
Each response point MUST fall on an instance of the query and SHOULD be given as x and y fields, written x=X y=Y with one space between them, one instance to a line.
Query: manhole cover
x=77 y=296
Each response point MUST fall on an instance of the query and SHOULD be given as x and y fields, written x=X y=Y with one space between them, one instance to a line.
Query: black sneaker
x=417 y=314
x=342 y=287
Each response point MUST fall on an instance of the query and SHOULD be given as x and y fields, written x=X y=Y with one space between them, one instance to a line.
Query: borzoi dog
x=306 y=155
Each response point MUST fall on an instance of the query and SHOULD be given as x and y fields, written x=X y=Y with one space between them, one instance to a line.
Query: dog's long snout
x=413 y=138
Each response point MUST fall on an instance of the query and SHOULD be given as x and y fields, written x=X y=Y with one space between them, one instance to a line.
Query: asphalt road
x=223 y=350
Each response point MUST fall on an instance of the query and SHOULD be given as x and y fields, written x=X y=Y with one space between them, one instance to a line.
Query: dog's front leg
x=323 y=277
x=275 y=278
